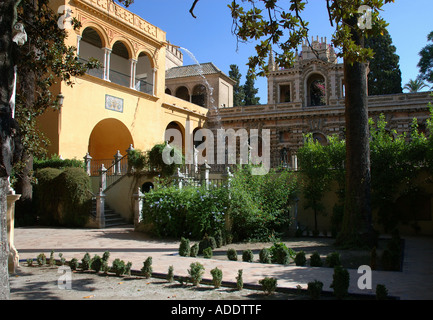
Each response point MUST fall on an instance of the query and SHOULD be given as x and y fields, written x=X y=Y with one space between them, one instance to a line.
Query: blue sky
x=210 y=39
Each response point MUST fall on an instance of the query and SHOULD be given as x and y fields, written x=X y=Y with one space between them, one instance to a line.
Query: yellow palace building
x=124 y=103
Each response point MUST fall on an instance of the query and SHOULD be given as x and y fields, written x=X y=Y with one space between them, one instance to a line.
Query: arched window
x=91 y=46
x=120 y=66
x=316 y=86
x=321 y=138
x=144 y=76
x=199 y=95
x=168 y=91
x=183 y=93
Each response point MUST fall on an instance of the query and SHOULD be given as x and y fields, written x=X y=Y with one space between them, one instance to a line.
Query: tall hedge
x=63 y=197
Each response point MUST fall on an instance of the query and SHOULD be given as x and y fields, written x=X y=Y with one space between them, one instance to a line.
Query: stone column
x=107 y=63
x=154 y=70
x=78 y=44
x=13 y=261
x=103 y=172
x=133 y=73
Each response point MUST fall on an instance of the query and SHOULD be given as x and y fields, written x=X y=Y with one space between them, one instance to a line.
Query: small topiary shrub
x=315 y=260
x=52 y=261
x=105 y=268
x=381 y=292
x=207 y=253
x=217 y=277
x=184 y=247
x=170 y=274
x=232 y=254
x=247 y=256
x=62 y=259
x=119 y=267
x=29 y=262
x=194 y=250
x=86 y=262
x=281 y=254
x=265 y=256
x=240 y=280
x=269 y=285
x=128 y=268
x=196 y=272
x=340 y=283
x=219 y=239
x=333 y=260
x=315 y=289
x=207 y=242
x=147 y=268
x=300 y=259
x=96 y=263
x=41 y=259
x=74 y=264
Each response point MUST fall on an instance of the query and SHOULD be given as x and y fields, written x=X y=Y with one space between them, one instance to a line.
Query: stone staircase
x=112 y=218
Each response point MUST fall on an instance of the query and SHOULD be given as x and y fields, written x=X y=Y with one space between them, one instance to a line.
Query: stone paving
x=414 y=282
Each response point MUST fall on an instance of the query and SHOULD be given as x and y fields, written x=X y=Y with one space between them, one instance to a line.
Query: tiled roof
x=192 y=70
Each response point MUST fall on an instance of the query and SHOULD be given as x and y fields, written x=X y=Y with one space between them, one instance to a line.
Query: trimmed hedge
x=63 y=197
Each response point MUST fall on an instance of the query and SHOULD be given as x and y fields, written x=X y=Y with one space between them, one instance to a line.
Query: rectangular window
x=284 y=93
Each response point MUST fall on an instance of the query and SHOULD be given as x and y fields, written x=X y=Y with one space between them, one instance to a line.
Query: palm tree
x=415 y=85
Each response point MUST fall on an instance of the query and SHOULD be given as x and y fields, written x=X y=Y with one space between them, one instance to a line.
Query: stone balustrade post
x=87 y=163
x=103 y=182
x=204 y=174
x=117 y=164
x=100 y=209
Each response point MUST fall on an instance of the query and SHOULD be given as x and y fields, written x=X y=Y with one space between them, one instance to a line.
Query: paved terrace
x=414 y=282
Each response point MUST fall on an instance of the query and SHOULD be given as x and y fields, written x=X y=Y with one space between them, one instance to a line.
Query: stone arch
x=101 y=32
x=316 y=89
x=92 y=45
x=320 y=137
x=199 y=95
x=147 y=187
x=120 y=64
x=107 y=137
x=182 y=92
x=180 y=128
x=168 y=91
x=144 y=73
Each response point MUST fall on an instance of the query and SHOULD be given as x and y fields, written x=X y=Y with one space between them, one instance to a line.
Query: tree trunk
x=357 y=220
x=7 y=131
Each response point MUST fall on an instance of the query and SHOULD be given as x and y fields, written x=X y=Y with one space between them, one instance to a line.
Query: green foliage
x=170 y=274
x=157 y=163
x=63 y=197
x=86 y=262
x=381 y=292
x=207 y=242
x=333 y=259
x=232 y=254
x=281 y=254
x=315 y=289
x=315 y=260
x=138 y=160
x=250 y=92
x=316 y=176
x=259 y=205
x=41 y=259
x=385 y=74
x=269 y=285
x=300 y=259
x=217 y=277
x=240 y=280
x=426 y=61
x=56 y=162
x=196 y=272
x=207 y=253
x=147 y=268
x=247 y=256
x=194 y=250
x=96 y=263
x=189 y=212
x=238 y=89
x=265 y=256
x=119 y=267
x=340 y=283
x=29 y=262
x=105 y=268
x=74 y=264
x=184 y=247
